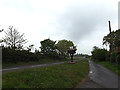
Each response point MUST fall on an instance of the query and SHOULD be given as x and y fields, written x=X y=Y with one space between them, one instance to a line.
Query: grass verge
x=56 y=76
x=111 y=66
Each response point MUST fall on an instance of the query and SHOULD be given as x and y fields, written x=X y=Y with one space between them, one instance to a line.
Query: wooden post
x=71 y=57
x=110 y=38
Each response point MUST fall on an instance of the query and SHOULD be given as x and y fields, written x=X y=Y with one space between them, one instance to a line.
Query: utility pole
x=110 y=38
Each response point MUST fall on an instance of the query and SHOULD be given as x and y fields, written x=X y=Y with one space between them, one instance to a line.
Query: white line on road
x=9 y=69
x=30 y=66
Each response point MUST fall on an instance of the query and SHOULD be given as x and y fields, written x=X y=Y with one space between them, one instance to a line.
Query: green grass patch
x=112 y=66
x=57 y=76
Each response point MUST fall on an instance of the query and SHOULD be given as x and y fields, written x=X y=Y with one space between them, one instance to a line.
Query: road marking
x=9 y=69
x=30 y=66
x=36 y=66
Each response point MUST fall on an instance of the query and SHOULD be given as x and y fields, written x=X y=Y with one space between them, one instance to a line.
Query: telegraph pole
x=110 y=38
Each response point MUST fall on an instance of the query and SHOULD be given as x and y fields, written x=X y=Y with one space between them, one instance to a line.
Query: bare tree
x=1 y=31
x=30 y=47
x=14 y=39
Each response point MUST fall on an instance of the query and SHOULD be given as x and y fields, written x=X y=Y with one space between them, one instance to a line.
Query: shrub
x=118 y=59
x=13 y=56
x=100 y=54
x=113 y=57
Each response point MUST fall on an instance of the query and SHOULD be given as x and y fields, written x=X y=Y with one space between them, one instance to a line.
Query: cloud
x=80 y=19
x=76 y=20
x=119 y=15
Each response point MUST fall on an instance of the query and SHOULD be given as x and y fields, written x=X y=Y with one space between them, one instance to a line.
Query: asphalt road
x=29 y=66
x=100 y=77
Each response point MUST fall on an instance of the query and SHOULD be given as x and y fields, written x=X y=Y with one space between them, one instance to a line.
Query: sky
x=85 y=22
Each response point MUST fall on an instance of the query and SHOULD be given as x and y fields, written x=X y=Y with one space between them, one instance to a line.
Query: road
x=30 y=66
x=100 y=77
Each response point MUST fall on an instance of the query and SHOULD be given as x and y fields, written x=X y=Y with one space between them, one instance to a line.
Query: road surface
x=30 y=66
x=100 y=77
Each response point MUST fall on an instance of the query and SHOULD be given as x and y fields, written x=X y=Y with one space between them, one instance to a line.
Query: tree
x=113 y=38
x=1 y=39
x=14 y=39
x=48 y=48
x=1 y=30
x=95 y=47
x=30 y=47
x=63 y=46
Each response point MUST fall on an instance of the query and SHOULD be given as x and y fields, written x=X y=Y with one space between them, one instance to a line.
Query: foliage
x=11 y=55
x=81 y=55
x=14 y=56
x=14 y=39
x=113 y=38
x=100 y=54
x=118 y=59
x=30 y=47
x=113 y=57
x=1 y=29
x=63 y=46
x=15 y=53
x=1 y=39
x=56 y=76
x=49 y=48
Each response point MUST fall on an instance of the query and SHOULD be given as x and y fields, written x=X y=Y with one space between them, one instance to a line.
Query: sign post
x=71 y=51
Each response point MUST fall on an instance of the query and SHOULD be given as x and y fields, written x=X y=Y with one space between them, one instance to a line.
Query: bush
x=113 y=57
x=118 y=59
x=100 y=54
x=13 y=56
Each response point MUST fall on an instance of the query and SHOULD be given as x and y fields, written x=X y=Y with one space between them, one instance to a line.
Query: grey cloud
x=119 y=15
x=79 y=20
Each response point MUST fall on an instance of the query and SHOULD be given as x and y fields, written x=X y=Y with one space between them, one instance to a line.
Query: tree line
x=13 y=50
x=113 y=56
x=81 y=55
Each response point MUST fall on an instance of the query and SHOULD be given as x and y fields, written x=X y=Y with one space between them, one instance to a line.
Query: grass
x=56 y=76
x=111 y=66
x=42 y=61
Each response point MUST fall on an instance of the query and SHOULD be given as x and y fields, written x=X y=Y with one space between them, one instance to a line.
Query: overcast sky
x=85 y=22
